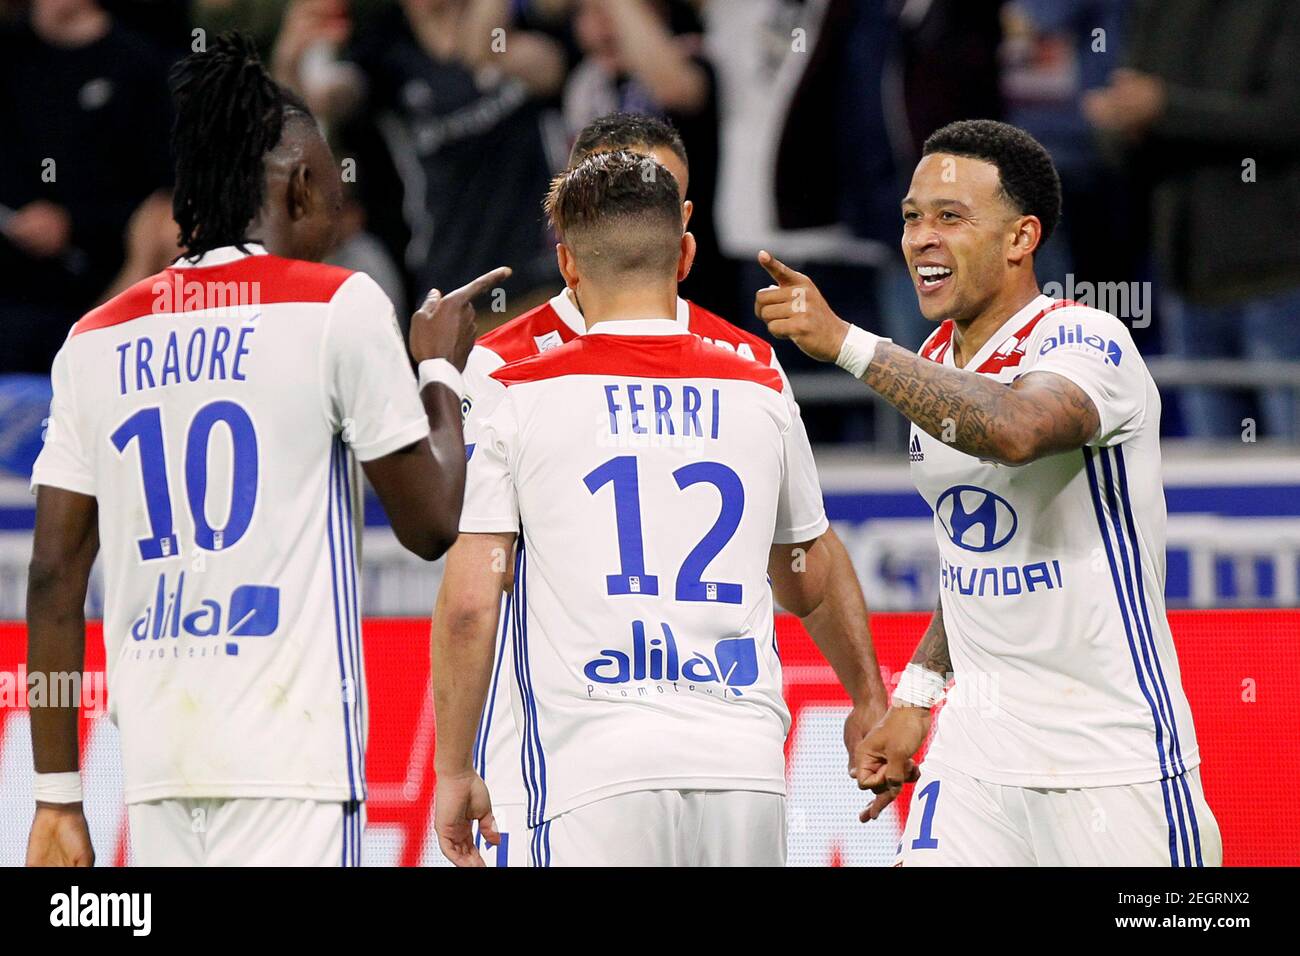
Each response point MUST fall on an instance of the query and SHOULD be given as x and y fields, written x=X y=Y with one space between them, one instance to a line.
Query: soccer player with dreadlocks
x=204 y=433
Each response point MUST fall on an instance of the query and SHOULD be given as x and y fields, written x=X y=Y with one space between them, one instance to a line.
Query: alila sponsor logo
x=733 y=664
x=1063 y=336
x=252 y=610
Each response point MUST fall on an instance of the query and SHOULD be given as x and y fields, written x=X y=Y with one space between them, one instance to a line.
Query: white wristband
x=857 y=351
x=440 y=370
x=919 y=687
x=58 y=787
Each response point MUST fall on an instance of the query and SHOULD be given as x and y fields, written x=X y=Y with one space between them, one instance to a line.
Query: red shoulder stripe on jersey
x=937 y=347
x=517 y=339
x=256 y=280
x=719 y=331
x=638 y=356
x=1012 y=350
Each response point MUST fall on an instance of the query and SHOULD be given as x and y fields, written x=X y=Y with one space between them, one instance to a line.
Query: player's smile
x=932 y=277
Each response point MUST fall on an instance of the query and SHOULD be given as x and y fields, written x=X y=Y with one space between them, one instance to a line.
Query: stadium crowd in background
x=802 y=120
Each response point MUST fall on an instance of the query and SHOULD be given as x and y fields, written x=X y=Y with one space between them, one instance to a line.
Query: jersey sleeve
x=491 y=499
x=481 y=392
x=64 y=460
x=800 y=512
x=1096 y=352
x=372 y=396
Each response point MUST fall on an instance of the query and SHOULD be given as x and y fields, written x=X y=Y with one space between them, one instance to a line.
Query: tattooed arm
x=932 y=651
x=1039 y=414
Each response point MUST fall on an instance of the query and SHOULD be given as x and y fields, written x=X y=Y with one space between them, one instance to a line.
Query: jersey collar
x=568 y=312
x=220 y=256
x=1035 y=305
x=638 y=327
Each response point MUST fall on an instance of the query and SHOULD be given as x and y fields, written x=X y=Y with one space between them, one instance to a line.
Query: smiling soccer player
x=1035 y=440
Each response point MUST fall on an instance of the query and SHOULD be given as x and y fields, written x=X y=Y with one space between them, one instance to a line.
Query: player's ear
x=1025 y=239
x=686 y=258
x=688 y=208
x=299 y=192
x=568 y=265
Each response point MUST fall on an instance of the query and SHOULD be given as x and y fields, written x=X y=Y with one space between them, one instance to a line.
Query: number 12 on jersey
x=633 y=578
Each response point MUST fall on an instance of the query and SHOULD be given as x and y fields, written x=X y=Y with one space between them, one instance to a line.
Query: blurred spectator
x=85 y=116
x=646 y=56
x=458 y=93
x=1209 y=105
x=1056 y=51
x=908 y=68
x=360 y=251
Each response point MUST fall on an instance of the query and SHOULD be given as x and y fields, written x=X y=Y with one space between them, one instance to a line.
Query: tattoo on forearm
x=978 y=415
x=932 y=651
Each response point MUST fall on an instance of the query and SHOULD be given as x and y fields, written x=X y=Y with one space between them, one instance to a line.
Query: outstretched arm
x=422 y=486
x=1039 y=414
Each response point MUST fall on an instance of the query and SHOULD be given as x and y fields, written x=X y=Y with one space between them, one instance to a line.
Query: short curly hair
x=1026 y=172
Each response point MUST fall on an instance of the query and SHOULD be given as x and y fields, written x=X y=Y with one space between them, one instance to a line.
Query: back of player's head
x=1027 y=175
x=624 y=131
x=229 y=115
x=619 y=214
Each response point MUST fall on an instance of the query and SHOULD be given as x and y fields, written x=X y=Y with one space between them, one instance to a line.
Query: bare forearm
x=461 y=660
x=56 y=630
x=932 y=651
x=447 y=442
x=977 y=415
x=839 y=626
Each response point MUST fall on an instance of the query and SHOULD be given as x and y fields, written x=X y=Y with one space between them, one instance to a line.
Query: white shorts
x=666 y=828
x=512 y=824
x=956 y=820
x=246 y=832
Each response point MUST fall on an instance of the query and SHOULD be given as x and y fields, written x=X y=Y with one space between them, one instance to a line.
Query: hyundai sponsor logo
x=976 y=519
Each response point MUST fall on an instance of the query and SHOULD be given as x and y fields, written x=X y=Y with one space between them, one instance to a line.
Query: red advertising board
x=1239 y=670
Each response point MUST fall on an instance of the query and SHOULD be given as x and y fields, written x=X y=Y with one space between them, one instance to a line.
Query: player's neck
x=627 y=304
x=970 y=335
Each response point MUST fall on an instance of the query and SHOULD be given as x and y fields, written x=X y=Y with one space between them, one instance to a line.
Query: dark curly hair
x=1026 y=172
x=229 y=115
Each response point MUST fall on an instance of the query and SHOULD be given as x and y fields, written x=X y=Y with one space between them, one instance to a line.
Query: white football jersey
x=643 y=640
x=216 y=411
x=498 y=747
x=1052 y=575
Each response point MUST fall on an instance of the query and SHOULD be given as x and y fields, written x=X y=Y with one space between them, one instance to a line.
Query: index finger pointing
x=484 y=282
x=778 y=270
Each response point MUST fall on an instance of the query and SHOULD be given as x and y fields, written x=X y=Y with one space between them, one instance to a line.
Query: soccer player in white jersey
x=658 y=481
x=1035 y=441
x=204 y=434
x=498 y=745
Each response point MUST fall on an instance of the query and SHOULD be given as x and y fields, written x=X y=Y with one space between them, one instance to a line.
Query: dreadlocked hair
x=229 y=115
